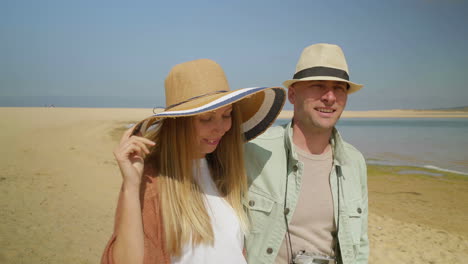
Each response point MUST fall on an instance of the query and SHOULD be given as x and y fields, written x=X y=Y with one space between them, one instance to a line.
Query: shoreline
x=424 y=169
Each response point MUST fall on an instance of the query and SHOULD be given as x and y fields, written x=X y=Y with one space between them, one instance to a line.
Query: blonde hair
x=185 y=218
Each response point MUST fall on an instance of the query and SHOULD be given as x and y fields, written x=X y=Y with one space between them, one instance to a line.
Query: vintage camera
x=303 y=257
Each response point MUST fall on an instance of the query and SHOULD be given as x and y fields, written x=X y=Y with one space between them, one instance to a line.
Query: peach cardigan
x=152 y=225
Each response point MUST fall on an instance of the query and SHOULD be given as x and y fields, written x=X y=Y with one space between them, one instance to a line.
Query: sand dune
x=59 y=183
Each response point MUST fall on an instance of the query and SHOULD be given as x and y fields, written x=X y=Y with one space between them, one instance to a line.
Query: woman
x=183 y=172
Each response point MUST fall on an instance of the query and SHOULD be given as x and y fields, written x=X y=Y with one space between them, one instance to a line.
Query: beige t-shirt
x=312 y=224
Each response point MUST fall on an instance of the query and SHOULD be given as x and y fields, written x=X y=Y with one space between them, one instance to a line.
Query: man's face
x=318 y=104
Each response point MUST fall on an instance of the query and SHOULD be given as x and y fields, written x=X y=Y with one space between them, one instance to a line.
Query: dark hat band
x=195 y=97
x=321 y=71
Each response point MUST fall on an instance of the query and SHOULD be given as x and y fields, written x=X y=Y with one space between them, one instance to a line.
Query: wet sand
x=59 y=184
x=417 y=218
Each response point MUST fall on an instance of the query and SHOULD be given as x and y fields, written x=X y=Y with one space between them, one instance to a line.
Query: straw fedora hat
x=200 y=86
x=322 y=62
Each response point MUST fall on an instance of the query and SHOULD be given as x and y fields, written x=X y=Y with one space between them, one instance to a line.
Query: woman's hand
x=130 y=155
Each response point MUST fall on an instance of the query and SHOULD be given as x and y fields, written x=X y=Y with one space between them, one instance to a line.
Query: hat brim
x=259 y=106
x=353 y=87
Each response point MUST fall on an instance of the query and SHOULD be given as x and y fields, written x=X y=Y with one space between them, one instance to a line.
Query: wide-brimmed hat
x=322 y=62
x=200 y=86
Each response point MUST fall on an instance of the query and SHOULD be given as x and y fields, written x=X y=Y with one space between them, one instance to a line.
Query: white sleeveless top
x=228 y=235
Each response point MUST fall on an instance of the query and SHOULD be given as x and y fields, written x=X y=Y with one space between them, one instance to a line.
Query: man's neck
x=313 y=140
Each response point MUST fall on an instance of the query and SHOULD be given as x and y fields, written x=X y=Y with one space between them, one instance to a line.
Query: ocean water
x=440 y=144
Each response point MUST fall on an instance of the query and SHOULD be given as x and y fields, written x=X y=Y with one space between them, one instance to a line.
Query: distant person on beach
x=307 y=187
x=183 y=171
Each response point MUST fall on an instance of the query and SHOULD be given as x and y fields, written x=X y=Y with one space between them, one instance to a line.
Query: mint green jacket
x=271 y=160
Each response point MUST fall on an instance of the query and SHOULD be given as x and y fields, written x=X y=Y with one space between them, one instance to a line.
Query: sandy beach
x=59 y=184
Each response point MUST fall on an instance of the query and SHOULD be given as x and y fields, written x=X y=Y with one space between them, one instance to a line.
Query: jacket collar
x=339 y=153
x=336 y=141
x=288 y=141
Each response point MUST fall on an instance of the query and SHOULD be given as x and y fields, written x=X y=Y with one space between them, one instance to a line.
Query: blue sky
x=408 y=54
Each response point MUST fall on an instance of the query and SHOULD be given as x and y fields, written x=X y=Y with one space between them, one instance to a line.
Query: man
x=307 y=187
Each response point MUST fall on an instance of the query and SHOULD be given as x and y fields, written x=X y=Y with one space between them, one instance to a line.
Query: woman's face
x=210 y=128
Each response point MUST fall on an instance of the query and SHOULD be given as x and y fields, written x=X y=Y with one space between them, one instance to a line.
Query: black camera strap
x=284 y=209
x=336 y=248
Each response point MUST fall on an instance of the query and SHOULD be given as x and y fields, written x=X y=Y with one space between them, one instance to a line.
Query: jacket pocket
x=260 y=208
x=355 y=221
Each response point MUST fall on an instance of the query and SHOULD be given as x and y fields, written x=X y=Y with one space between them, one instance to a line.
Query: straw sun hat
x=200 y=86
x=322 y=62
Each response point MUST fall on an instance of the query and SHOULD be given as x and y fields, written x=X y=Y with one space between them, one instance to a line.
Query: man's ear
x=291 y=94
